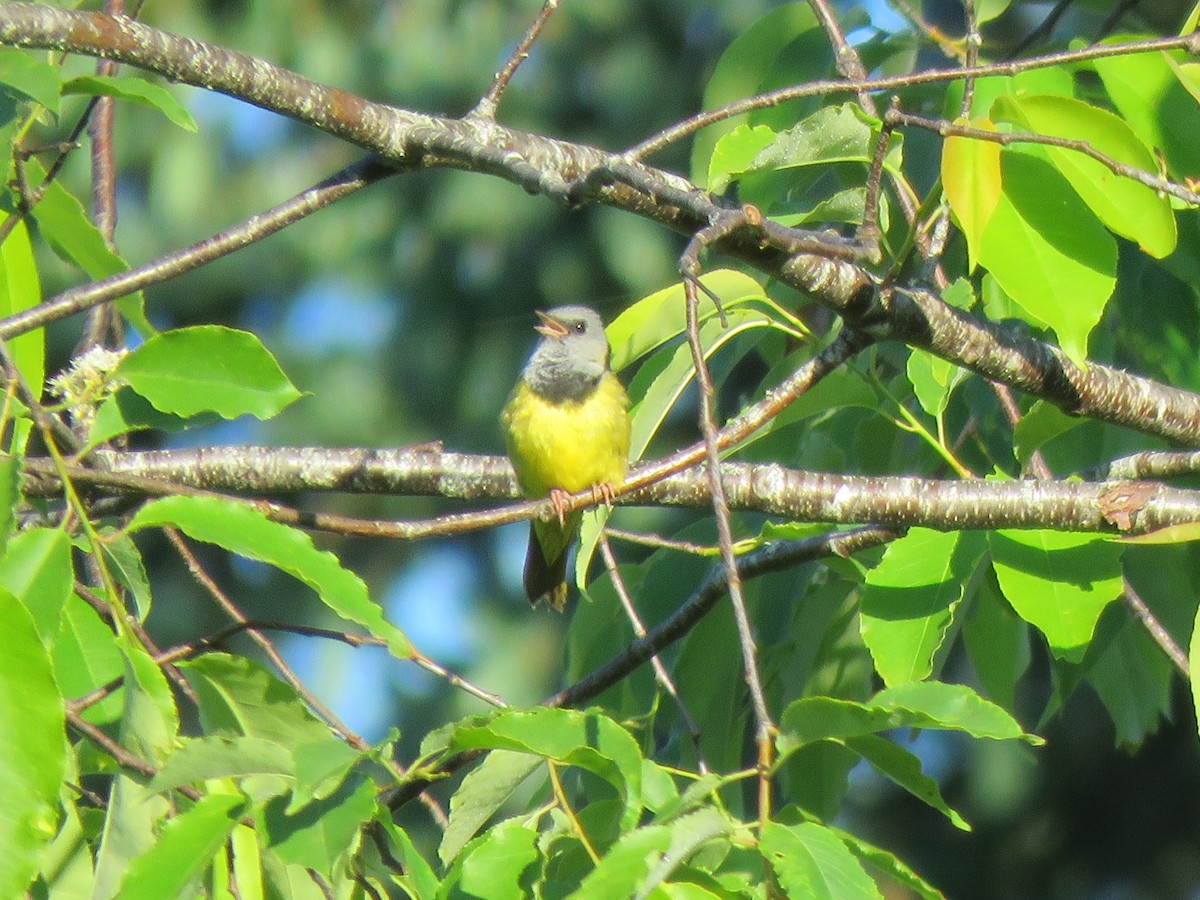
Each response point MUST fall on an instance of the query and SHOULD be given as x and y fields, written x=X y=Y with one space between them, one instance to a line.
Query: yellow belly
x=570 y=446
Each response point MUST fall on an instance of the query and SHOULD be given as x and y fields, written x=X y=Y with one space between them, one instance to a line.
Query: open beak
x=550 y=326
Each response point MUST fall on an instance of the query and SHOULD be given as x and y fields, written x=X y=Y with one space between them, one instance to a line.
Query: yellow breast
x=570 y=446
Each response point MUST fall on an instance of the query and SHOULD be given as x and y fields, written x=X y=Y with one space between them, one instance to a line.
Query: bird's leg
x=559 y=499
x=603 y=493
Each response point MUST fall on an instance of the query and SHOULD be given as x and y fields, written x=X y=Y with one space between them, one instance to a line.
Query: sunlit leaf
x=1127 y=207
x=811 y=861
x=188 y=371
x=184 y=848
x=136 y=90
x=32 y=748
x=1058 y=582
x=972 y=182
x=243 y=530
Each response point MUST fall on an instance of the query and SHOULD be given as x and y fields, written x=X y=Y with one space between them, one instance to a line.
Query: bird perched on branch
x=567 y=428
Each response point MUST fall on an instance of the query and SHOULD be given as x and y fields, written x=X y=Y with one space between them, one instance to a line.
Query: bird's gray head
x=572 y=355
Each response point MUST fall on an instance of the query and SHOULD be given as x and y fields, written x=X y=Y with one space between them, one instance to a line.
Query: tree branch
x=1127 y=507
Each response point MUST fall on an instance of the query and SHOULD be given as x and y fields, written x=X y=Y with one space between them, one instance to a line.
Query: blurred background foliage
x=405 y=312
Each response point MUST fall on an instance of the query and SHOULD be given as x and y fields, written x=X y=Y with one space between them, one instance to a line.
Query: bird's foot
x=603 y=493
x=559 y=500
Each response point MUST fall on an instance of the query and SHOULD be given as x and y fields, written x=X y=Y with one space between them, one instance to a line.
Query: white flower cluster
x=87 y=383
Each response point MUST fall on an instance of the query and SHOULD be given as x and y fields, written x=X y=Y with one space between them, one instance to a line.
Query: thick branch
x=1110 y=506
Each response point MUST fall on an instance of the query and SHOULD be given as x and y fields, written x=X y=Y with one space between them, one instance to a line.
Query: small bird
x=567 y=429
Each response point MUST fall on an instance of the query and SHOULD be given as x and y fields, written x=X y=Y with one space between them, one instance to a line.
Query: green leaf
x=482 y=792
x=149 y=726
x=1038 y=427
x=220 y=756
x=923 y=704
x=33 y=748
x=1134 y=680
x=86 y=658
x=889 y=864
x=1058 y=582
x=689 y=833
x=126 y=411
x=624 y=868
x=321 y=767
x=208 y=368
x=910 y=598
x=986 y=10
x=136 y=90
x=833 y=134
x=37 y=571
x=1049 y=252
x=1127 y=207
x=811 y=861
x=904 y=769
x=10 y=494
x=243 y=530
x=661 y=317
x=1149 y=96
x=1194 y=671
x=785 y=46
x=238 y=697
x=952 y=707
x=317 y=835
x=418 y=878
x=492 y=868
x=812 y=719
x=735 y=153
x=972 y=182
x=933 y=380
x=664 y=377
x=26 y=75
x=997 y=642
x=66 y=863
x=124 y=562
x=588 y=740
x=65 y=225
x=20 y=290
x=184 y=849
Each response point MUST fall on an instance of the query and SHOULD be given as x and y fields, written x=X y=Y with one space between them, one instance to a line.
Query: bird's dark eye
x=579 y=327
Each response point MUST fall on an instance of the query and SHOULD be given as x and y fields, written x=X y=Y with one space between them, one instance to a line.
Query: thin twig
x=103 y=324
x=486 y=107
x=230 y=608
x=765 y=727
x=1137 y=606
x=337 y=187
x=661 y=675
x=1042 y=29
x=974 y=42
x=773 y=558
x=661 y=543
x=1008 y=138
x=691 y=125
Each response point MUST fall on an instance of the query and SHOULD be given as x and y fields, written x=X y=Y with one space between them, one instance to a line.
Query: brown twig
x=103 y=325
x=690 y=126
x=486 y=107
x=1007 y=139
x=230 y=609
x=661 y=675
x=690 y=268
x=1140 y=611
x=337 y=187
